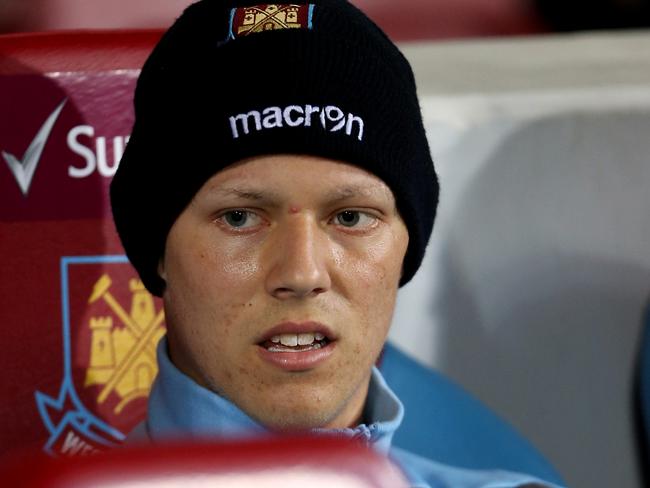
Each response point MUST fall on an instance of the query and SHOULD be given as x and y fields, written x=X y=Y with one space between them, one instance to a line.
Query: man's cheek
x=380 y=263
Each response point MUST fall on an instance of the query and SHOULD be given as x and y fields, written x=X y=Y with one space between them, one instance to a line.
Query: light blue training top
x=180 y=408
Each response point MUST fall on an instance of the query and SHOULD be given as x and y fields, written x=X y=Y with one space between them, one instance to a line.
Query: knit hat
x=234 y=79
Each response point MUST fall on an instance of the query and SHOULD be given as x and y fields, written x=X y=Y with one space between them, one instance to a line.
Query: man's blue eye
x=236 y=218
x=348 y=218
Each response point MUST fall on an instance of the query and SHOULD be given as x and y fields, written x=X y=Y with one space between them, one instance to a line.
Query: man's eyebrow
x=346 y=192
x=246 y=193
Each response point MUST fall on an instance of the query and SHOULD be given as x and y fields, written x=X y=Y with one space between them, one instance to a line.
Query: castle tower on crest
x=102 y=357
x=142 y=307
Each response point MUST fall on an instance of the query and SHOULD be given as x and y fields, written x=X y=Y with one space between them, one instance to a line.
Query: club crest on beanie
x=236 y=79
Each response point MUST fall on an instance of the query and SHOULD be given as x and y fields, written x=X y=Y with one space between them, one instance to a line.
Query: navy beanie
x=235 y=79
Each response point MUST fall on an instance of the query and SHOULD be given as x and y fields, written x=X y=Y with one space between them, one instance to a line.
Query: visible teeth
x=305 y=339
x=289 y=339
x=293 y=340
x=314 y=346
x=282 y=349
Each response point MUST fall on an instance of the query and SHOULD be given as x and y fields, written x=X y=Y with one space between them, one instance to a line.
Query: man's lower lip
x=297 y=361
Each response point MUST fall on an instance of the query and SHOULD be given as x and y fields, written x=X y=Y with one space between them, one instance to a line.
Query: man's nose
x=299 y=259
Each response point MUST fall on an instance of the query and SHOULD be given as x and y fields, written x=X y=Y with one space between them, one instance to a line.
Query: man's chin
x=291 y=423
x=295 y=409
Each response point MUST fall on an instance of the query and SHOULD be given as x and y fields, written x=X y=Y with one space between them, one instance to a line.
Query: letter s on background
x=83 y=151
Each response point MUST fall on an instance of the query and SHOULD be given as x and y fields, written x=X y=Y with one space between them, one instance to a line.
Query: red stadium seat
x=78 y=330
x=290 y=463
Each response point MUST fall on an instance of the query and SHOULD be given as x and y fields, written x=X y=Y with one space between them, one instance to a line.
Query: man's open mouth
x=308 y=341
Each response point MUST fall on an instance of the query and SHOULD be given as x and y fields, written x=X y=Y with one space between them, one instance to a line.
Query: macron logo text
x=329 y=118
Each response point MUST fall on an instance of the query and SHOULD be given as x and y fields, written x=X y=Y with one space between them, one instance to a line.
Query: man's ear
x=161 y=268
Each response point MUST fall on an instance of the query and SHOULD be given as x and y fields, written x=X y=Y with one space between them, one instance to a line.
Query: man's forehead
x=280 y=176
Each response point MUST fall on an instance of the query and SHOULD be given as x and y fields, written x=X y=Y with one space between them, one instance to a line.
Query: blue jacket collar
x=179 y=407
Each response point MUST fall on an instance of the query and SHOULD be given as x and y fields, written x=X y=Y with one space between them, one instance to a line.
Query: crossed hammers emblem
x=143 y=335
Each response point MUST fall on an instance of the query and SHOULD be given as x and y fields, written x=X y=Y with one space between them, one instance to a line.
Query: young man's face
x=277 y=250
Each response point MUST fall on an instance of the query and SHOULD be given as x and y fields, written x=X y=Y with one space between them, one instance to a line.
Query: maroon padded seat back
x=78 y=330
x=264 y=463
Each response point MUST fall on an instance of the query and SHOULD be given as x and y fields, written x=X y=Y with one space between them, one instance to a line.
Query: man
x=290 y=193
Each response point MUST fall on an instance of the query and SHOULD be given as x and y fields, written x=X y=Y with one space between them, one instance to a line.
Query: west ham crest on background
x=111 y=326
